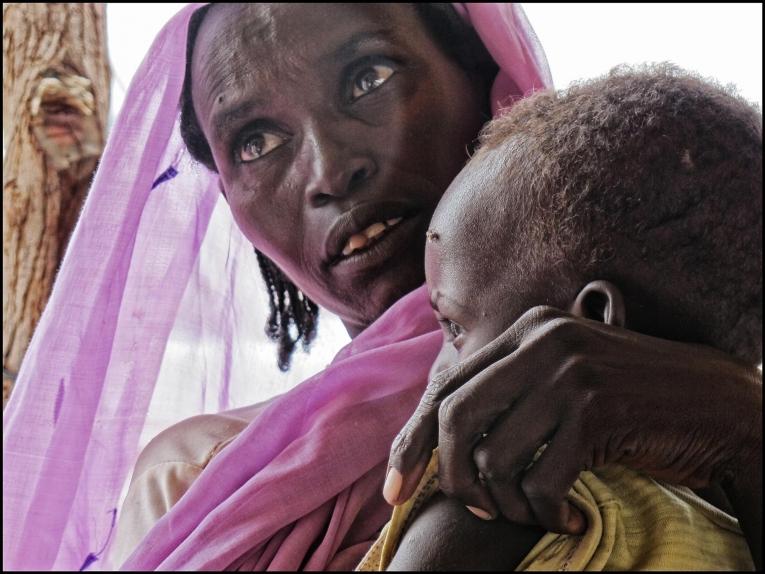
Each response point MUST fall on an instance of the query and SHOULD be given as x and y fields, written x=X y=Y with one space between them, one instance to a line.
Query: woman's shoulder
x=197 y=439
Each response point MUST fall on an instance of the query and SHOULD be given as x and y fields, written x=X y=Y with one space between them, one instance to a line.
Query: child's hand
x=592 y=393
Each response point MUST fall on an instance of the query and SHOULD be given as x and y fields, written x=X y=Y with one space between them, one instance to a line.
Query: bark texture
x=55 y=107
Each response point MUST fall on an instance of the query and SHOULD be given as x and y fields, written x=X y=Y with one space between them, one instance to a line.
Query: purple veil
x=156 y=260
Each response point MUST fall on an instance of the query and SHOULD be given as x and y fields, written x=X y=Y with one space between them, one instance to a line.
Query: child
x=634 y=199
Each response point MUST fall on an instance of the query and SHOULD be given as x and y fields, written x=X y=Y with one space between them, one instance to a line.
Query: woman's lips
x=361 y=226
x=369 y=236
x=396 y=240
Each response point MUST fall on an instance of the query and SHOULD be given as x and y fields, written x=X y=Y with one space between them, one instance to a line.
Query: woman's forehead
x=237 y=41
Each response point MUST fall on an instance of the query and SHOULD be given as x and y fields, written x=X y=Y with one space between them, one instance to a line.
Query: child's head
x=649 y=179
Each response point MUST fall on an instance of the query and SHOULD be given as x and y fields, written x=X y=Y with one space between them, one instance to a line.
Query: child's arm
x=446 y=536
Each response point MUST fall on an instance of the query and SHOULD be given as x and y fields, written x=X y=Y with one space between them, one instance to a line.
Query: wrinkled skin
x=327 y=126
x=576 y=379
x=322 y=135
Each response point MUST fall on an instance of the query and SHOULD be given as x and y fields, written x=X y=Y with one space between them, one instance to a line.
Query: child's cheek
x=447 y=357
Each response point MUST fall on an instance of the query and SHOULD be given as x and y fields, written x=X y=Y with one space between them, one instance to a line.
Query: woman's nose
x=336 y=169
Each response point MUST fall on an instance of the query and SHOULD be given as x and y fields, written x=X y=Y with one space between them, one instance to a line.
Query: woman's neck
x=353 y=329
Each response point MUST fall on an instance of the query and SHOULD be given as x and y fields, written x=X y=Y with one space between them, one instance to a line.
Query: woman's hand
x=593 y=394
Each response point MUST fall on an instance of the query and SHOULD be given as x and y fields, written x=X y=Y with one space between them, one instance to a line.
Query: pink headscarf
x=156 y=252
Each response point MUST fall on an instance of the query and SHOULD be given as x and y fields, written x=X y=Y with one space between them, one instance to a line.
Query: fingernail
x=479 y=512
x=577 y=523
x=392 y=486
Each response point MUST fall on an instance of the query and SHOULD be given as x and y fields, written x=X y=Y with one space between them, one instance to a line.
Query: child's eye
x=453 y=330
x=369 y=79
x=257 y=145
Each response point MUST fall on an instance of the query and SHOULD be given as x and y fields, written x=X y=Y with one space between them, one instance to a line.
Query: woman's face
x=335 y=130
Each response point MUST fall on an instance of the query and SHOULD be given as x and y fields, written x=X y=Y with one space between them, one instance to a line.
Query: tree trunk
x=55 y=105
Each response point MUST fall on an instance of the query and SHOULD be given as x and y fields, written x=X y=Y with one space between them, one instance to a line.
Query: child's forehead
x=475 y=236
x=463 y=234
x=480 y=205
x=472 y=193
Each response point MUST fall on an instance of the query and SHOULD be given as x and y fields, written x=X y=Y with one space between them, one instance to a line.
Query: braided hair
x=293 y=317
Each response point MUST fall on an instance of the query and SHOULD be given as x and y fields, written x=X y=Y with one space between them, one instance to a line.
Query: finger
x=508 y=451
x=547 y=482
x=473 y=409
x=395 y=491
x=409 y=456
x=503 y=345
x=412 y=448
x=460 y=430
x=478 y=406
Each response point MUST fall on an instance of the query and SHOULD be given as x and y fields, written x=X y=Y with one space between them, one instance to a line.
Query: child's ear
x=600 y=301
x=223 y=191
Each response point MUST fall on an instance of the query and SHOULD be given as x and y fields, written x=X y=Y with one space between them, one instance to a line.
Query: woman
x=339 y=424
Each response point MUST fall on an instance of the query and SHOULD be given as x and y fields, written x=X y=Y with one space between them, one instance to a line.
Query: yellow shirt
x=633 y=523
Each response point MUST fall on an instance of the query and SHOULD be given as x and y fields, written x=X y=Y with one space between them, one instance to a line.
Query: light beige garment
x=167 y=467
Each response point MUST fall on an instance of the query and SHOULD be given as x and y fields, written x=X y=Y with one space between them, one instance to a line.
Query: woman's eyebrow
x=348 y=48
x=224 y=118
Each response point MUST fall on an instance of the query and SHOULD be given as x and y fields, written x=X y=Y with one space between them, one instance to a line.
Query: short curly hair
x=651 y=177
x=293 y=316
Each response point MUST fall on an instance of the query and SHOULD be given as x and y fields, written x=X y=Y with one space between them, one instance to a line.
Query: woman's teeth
x=361 y=240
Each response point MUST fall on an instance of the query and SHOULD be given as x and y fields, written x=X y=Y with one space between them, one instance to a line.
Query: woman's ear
x=223 y=191
x=600 y=301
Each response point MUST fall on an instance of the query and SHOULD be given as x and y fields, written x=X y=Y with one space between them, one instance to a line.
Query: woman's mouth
x=366 y=238
x=380 y=245
x=369 y=236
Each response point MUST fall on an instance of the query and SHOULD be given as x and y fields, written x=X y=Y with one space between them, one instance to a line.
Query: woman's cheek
x=242 y=209
x=255 y=214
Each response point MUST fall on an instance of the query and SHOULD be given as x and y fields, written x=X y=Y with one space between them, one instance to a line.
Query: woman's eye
x=259 y=144
x=369 y=79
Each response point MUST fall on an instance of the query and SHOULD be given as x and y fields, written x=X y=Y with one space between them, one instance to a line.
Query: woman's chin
x=385 y=295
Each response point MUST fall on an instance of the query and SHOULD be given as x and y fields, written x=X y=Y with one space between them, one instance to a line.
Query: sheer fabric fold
x=156 y=262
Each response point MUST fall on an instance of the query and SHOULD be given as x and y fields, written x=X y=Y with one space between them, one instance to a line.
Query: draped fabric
x=156 y=261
